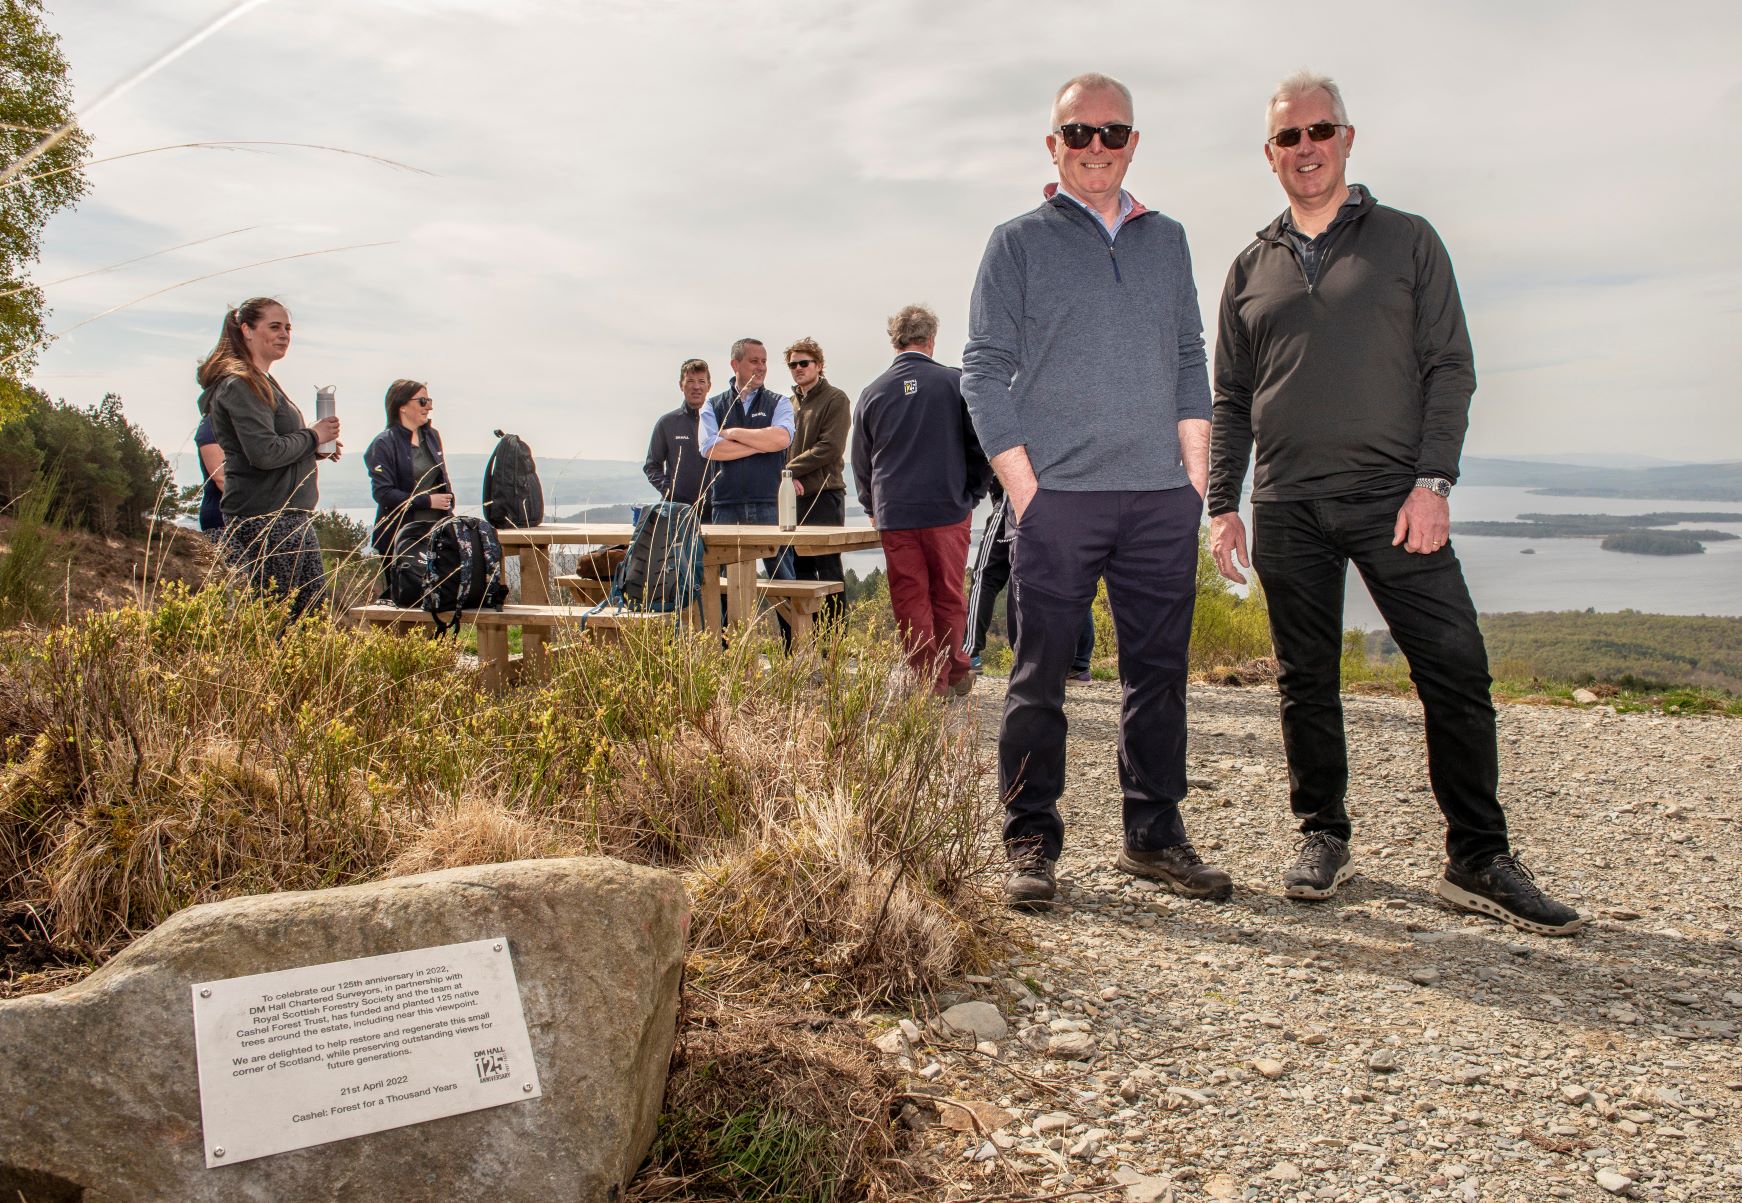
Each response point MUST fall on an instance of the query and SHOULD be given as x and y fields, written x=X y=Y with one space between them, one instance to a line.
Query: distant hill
x=569 y=485
x=1666 y=482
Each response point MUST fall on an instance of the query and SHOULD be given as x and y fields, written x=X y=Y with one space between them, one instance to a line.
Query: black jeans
x=1301 y=550
x=1145 y=543
x=827 y=508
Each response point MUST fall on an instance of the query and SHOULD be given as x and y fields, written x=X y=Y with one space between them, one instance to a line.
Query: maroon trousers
x=927 y=569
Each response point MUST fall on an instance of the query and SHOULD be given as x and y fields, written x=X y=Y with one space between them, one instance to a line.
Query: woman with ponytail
x=270 y=493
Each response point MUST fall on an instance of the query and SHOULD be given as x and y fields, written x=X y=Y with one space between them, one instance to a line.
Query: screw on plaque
x=526 y=1089
x=217 y=1152
x=205 y=993
x=497 y=947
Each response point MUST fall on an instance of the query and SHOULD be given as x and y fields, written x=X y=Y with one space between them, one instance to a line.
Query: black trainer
x=1320 y=865
x=1181 y=870
x=1031 y=885
x=1505 y=889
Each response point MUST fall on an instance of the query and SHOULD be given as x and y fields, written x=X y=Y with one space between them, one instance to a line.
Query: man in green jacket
x=1342 y=357
x=822 y=415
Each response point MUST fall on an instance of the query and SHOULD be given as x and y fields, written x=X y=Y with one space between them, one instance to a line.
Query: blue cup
x=635 y=512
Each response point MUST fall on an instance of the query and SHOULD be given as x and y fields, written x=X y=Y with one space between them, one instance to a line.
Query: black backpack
x=512 y=495
x=662 y=571
x=452 y=566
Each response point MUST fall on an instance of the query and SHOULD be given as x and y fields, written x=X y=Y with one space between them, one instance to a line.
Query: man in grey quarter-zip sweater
x=1085 y=376
x=1342 y=355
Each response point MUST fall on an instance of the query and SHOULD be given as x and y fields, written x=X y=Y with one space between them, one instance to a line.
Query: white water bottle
x=326 y=405
x=788 y=499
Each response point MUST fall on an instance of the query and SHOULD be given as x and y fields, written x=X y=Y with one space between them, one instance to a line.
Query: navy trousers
x=1145 y=544
x=991 y=574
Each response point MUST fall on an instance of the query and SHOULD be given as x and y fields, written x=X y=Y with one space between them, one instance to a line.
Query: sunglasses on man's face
x=1318 y=131
x=795 y=364
x=1077 y=136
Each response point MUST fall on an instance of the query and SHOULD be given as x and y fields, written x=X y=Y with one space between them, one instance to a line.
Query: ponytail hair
x=230 y=356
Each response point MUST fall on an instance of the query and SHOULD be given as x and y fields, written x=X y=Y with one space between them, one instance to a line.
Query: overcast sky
x=616 y=187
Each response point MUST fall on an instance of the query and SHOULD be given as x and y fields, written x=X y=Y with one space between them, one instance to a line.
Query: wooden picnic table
x=736 y=549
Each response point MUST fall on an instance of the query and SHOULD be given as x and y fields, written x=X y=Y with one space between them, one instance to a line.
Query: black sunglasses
x=1318 y=131
x=426 y=402
x=1077 y=136
x=800 y=363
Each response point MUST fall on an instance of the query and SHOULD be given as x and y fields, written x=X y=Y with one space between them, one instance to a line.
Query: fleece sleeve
x=993 y=355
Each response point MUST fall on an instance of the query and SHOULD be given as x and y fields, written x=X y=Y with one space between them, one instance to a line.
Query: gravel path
x=1378 y=1046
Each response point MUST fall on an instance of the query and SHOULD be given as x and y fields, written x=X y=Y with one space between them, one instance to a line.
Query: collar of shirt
x=1127 y=206
x=1345 y=212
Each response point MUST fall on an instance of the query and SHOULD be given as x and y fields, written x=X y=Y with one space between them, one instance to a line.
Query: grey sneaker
x=1181 y=870
x=1505 y=889
x=1031 y=885
x=1320 y=865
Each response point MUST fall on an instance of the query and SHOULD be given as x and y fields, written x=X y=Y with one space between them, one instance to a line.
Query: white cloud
x=619 y=187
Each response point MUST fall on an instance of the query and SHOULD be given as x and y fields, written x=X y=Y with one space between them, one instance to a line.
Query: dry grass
x=825 y=820
x=776 y=1106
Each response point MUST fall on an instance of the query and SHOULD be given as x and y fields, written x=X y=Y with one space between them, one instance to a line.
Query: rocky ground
x=1378 y=1046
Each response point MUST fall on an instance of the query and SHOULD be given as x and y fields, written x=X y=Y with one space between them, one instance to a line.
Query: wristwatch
x=1439 y=486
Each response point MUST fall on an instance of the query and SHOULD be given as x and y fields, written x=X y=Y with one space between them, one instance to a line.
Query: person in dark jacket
x=212 y=473
x=675 y=466
x=821 y=415
x=408 y=475
x=920 y=472
x=270 y=456
x=1342 y=354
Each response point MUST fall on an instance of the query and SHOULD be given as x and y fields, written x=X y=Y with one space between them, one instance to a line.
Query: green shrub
x=26 y=576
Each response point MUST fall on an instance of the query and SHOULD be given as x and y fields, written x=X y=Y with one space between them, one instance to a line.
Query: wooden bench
x=492 y=627
x=586 y=590
x=799 y=602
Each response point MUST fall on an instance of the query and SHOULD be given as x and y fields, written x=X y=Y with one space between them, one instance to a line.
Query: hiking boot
x=1031 y=885
x=1505 y=889
x=1079 y=674
x=1320 y=865
x=963 y=687
x=1181 y=870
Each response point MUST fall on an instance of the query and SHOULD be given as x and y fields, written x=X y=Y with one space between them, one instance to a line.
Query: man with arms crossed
x=675 y=467
x=1085 y=374
x=746 y=430
x=1342 y=354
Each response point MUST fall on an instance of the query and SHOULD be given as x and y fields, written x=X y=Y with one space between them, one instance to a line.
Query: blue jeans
x=756 y=513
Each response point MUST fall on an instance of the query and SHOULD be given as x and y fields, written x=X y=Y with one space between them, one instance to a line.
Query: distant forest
x=1626 y=648
x=1620 y=532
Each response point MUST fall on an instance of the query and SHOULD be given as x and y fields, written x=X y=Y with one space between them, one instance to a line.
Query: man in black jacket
x=920 y=472
x=1342 y=353
x=675 y=466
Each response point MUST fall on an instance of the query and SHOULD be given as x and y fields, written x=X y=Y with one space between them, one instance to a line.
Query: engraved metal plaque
x=306 y=1056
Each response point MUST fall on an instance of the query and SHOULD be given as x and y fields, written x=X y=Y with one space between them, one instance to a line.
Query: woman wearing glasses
x=407 y=473
x=269 y=493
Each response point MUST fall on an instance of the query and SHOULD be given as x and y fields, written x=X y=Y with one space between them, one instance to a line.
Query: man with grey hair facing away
x=1342 y=355
x=1085 y=373
x=920 y=473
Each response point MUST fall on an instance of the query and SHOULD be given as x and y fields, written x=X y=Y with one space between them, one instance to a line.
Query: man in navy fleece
x=1085 y=374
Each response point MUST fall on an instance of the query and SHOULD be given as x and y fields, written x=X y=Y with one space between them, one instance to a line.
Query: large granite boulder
x=100 y=1096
